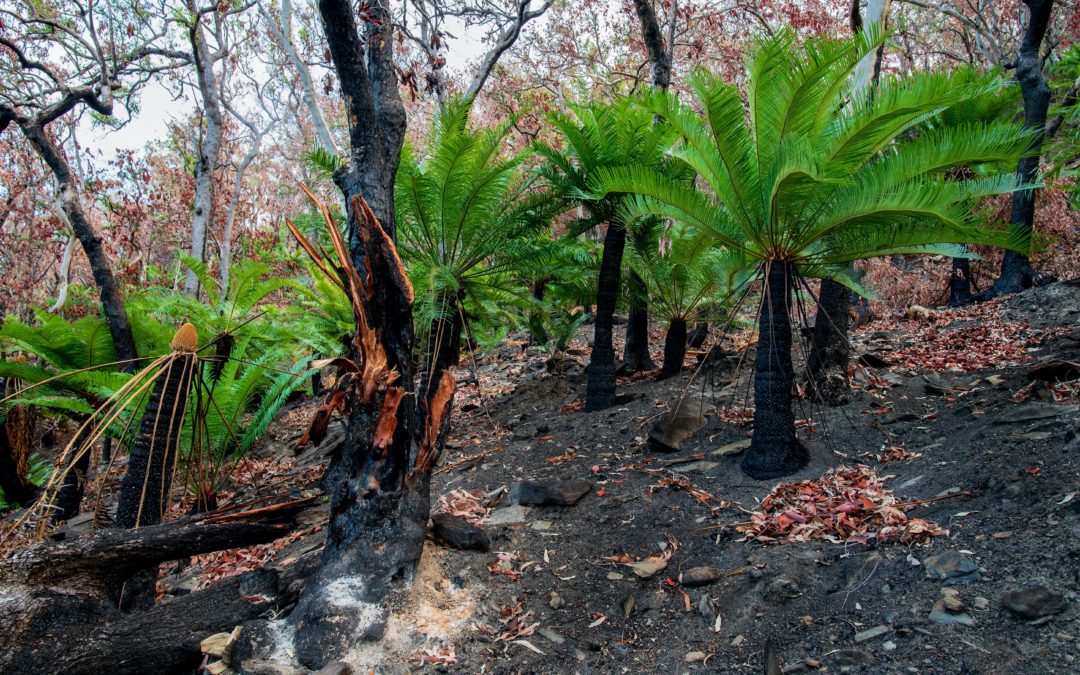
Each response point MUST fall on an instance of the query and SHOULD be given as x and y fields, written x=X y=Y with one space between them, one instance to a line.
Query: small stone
x=695 y=467
x=888 y=646
x=952 y=603
x=335 y=668
x=953 y=566
x=694 y=657
x=550 y=635
x=940 y=615
x=850 y=658
x=509 y=515
x=871 y=633
x=700 y=576
x=1035 y=602
x=739 y=639
x=556 y=600
x=981 y=603
x=732 y=448
x=218 y=668
x=675 y=427
x=812 y=663
x=549 y=493
x=781 y=590
x=615 y=576
x=628 y=606
x=458 y=533
x=541 y=525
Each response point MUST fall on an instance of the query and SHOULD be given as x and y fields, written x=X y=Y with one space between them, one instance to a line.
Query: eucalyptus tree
x=62 y=59
x=804 y=178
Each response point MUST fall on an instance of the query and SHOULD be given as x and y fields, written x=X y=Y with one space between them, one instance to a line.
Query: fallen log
x=59 y=619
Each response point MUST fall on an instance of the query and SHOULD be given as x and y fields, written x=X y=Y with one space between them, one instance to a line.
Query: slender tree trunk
x=960 y=282
x=674 y=349
x=698 y=335
x=774 y=449
x=1016 y=271
x=230 y=214
x=209 y=150
x=827 y=367
x=600 y=388
x=636 y=357
x=70 y=202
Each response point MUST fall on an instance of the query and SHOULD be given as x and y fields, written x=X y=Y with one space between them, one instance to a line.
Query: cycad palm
x=599 y=138
x=684 y=280
x=805 y=180
x=467 y=221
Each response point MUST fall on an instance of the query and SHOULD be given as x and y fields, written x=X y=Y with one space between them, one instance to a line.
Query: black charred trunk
x=827 y=366
x=698 y=335
x=144 y=490
x=960 y=282
x=636 y=357
x=674 y=349
x=111 y=303
x=1016 y=270
x=774 y=449
x=600 y=388
x=69 y=496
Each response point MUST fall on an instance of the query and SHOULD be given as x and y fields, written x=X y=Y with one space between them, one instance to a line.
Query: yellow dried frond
x=186 y=340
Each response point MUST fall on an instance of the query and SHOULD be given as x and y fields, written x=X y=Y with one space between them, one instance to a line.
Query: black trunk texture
x=144 y=491
x=774 y=450
x=960 y=282
x=698 y=335
x=113 y=307
x=15 y=460
x=674 y=349
x=827 y=366
x=1016 y=271
x=636 y=356
x=600 y=389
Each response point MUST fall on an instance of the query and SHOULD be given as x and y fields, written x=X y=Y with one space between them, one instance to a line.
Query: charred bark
x=144 y=490
x=829 y=357
x=654 y=43
x=698 y=335
x=674 y=349
x=600 y=387
x=15 y=457
x=1016 y=270
x=60 y=620
x=774 y=449
x=636 y=357
x=70 y=202
x=960 y=282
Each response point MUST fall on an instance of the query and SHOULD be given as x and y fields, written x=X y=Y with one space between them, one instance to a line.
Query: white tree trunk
x=877 y=11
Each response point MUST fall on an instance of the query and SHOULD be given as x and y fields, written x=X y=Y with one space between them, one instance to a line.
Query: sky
x=158 y=107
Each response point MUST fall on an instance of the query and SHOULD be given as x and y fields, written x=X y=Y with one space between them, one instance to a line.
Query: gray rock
x=1035 y=602
x=850 y=658
x=335 y=668
x=1029 y=412
x=871 y=633
x=456 y=532
x=676 y=426
x=509 y=515
x=939 y=614
x=952 y=566
x=549 y=493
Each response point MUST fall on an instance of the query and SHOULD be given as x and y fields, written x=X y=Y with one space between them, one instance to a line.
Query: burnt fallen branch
x=54 y=596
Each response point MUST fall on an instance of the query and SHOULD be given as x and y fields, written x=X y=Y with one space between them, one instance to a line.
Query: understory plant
x=803 y=177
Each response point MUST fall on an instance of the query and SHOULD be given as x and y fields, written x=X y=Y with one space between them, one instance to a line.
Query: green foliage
x=470 y=224
x=40 y=470
x=798 y=171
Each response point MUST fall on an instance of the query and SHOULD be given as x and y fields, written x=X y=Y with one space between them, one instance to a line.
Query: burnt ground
x=999 y=453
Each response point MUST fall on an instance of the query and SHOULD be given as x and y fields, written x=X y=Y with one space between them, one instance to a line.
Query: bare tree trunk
x=71 y=204
x=1016 y=271
x=283 y=33
x=600 y=387
x=234 y=200
x=209 y=149
x=960 y=282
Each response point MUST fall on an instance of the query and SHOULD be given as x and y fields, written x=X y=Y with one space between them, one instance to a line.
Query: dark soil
x=1019 y=461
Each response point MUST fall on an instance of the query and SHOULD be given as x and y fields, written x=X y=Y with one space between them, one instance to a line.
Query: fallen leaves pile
x=464 y=504
x=847 y=504
x=986 y=340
